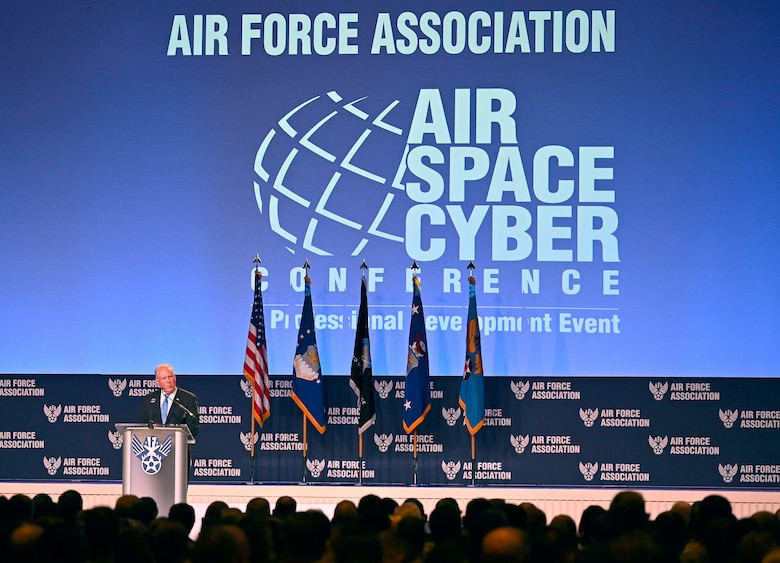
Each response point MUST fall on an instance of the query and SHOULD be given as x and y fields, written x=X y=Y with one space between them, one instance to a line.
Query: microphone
x=177 y=401
x=150 y=424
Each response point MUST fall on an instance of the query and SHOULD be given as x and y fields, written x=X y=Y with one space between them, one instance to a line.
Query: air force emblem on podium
x=151 y=452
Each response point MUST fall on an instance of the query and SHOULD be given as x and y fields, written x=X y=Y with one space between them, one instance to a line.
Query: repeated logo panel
x=581 y=432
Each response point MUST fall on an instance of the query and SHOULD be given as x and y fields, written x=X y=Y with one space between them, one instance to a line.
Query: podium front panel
x=155 y=464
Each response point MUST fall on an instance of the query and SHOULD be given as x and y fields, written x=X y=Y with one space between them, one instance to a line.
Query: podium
x=155 y=462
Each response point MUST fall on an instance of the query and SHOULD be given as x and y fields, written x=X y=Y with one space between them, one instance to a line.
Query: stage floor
x=570 y=501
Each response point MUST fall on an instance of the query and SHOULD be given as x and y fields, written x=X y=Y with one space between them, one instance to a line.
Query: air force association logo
x=658 y=443
x=728 y=471
x=450 y=468
x=247 y=439
x=52 y=412
x=117 y=386
x=520 y=389
x=659 y=389
x=451 y=415
x=383 y=441
x=589 y=470
x=246 y=387
x=589 y=416
x=116 y=439
x=519 y=442
x=315 y=466
x=152 y=453
x=383 y=388
x=728 y=417
x=52 y=464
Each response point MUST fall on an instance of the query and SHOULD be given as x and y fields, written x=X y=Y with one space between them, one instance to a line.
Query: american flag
x=256 y=361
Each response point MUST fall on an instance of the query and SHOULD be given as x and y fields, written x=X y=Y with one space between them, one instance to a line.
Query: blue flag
x=307 y=389
x=417 y=393
x=361 y=379
x=472 y=387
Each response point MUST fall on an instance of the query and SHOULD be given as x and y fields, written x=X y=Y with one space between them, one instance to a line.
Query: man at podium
x=156 y=460
x=170 y=404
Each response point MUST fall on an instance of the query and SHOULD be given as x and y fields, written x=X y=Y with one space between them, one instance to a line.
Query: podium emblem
x=151 y=453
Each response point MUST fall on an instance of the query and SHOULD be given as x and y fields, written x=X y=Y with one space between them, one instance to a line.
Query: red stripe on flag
x=256 y=371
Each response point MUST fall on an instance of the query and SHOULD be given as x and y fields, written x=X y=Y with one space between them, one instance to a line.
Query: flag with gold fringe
x=472 y=386
x=417 y=387
x=307 y=391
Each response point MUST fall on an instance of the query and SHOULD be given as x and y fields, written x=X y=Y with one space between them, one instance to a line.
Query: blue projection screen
x=611 y=170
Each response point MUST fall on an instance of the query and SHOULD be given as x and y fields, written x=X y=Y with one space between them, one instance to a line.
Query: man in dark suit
x=170 y=404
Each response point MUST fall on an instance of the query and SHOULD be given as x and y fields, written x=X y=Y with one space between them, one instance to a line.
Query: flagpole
x=471 y=397
x=252 y=404
x=414 y=269
x=363 y=268
x=360 y=457
x=307 y=391
x=305 y=425
x=256 y=262
x=415 y=458
x=305 y=447
x=417 y=391
x=252 y=447
x=255 y=366
x=473 y=458
x=252 y=410
x=471 y=267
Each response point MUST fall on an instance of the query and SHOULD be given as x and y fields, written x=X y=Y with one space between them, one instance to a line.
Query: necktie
x=164 y=409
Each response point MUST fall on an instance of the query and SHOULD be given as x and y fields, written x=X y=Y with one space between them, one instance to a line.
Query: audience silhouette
x=380 y=530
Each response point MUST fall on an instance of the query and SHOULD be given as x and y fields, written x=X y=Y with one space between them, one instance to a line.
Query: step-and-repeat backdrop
x=627 y=432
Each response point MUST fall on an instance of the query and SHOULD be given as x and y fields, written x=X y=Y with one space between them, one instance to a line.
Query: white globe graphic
x=328 y=176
